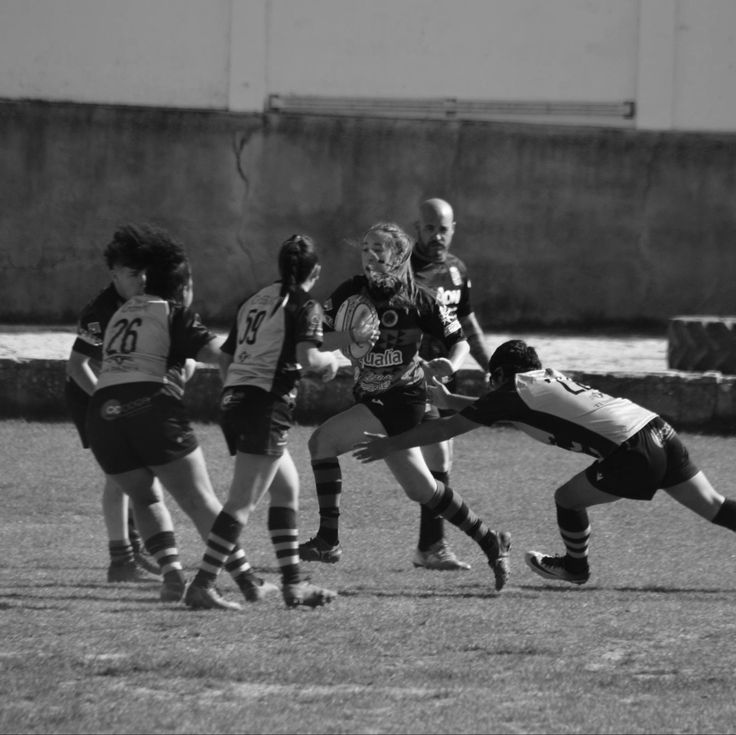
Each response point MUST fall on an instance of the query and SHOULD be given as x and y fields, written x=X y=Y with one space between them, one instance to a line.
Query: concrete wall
x=561 y=226
x=34 y=389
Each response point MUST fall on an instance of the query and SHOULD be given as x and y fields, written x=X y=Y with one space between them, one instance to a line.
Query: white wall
x=172 y=53
x=676 y=58
x=520 y=50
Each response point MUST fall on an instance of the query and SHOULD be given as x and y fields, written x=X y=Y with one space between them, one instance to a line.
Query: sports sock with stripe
x=574 y=527
x=328 y=481
x=432 y=526
x=451 y=506
x=282 y=527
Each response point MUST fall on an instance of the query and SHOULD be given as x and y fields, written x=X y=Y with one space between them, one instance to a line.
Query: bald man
x=446 y=276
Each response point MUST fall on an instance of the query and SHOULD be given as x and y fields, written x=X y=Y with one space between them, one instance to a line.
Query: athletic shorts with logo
x=136 y=425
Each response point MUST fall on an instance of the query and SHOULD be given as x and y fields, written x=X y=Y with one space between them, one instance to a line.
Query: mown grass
x=647 y=646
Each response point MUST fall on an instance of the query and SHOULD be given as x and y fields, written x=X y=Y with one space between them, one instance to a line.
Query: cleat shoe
x=318 y=550
x=146 y=562
x=500 y=563
x=128 y=572
x=555 y=567
x=207 y=598
x=439 y=556
x=172 y=591
x=305 y=594
x=256 y=592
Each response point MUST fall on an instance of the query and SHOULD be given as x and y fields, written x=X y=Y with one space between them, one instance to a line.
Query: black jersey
x=394 y=359
x=264 y=336
x=91 y=324
x=149 y=340
x=449 y=282
x=556 y=410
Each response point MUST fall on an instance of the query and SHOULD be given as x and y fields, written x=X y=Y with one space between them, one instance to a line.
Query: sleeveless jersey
x=556 y=410
x=149 y=340
x=394 y=360
x=449 y=283
x=264 y=336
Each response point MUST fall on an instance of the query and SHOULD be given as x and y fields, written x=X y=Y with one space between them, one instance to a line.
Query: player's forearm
x=430 y=432
x=457 y=354
x=476 y=340
x=456 y=402
x=82 y=374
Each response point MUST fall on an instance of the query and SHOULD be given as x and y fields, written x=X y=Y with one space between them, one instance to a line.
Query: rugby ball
x=354 y=311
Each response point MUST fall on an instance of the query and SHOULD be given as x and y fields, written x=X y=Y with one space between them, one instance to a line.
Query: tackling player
x=636 y=451
x=445 y=275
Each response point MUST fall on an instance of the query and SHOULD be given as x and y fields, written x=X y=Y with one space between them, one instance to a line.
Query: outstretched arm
x=430 y=432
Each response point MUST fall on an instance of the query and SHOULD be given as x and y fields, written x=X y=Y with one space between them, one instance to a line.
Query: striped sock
x=221 y=542
x=451 y=506
x=575 y=531
x=282 y=527
x=121 y=553
x=162 y=547
x=241 y=571
x=432 y=526
x=328 y=479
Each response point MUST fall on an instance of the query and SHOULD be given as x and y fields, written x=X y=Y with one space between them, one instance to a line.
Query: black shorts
x=255 y=421
x=137 y=425
x=398 y=409
x=77 y=403
x=653 y=458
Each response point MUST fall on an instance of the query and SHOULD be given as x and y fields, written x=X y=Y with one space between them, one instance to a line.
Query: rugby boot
x=556 y=567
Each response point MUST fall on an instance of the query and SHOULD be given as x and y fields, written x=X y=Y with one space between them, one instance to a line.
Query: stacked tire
x=702 y=343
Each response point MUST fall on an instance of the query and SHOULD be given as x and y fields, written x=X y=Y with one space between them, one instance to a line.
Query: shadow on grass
x=650 y=589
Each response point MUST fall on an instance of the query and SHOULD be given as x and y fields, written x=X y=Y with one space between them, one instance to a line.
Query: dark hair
x=168 y=279
x=126 y=247
x=152 y=248
x=297 y=258
x=514 y=356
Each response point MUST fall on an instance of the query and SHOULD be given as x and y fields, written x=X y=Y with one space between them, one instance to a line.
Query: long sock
x=135 y=538
x=162 y=547
x=726 y=515
x=241 y=571
x=328 y=480
x=432 y=526
x=221 y=542
x=451 y=506
x=285 y=538
x=121 y=552
x=574 y=528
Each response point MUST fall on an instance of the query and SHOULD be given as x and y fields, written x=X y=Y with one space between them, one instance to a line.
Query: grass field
x=647 y=646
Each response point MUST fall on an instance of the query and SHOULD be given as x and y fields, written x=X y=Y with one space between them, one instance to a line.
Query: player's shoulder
x=102 y=306
x=453 y=262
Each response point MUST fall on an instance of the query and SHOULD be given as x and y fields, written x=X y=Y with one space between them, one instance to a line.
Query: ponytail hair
x=297 y=258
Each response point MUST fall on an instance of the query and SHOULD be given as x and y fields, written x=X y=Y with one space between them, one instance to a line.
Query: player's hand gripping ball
x=358 y=316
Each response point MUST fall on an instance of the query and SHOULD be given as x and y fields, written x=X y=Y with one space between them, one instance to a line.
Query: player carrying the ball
x=391 y=393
